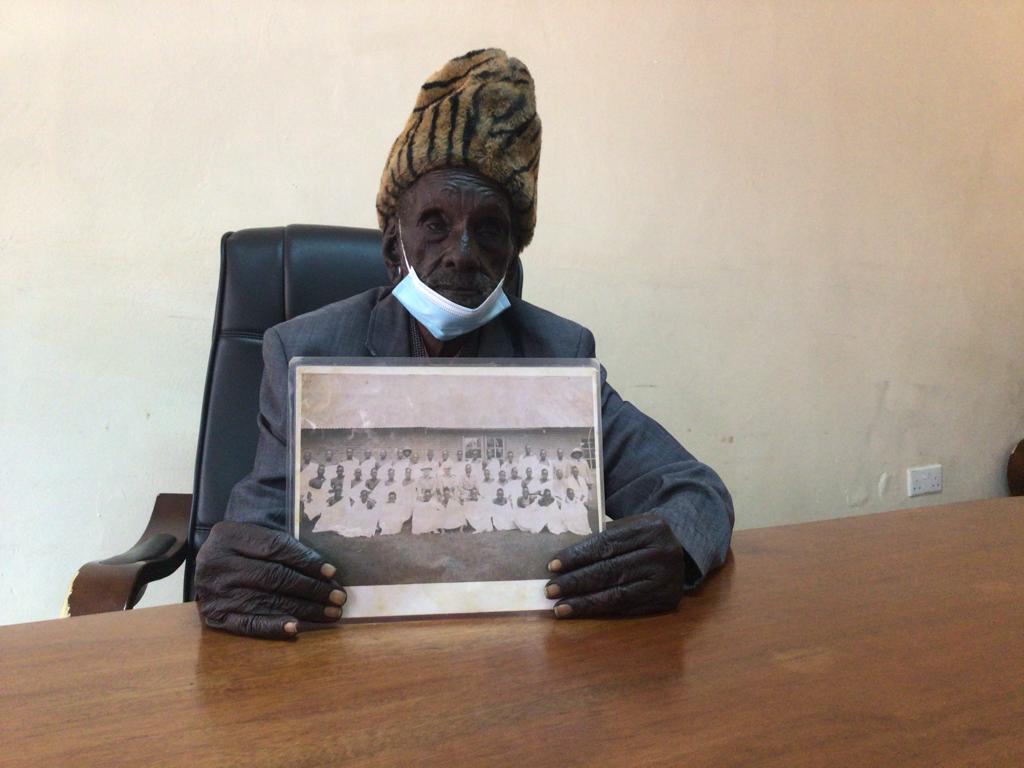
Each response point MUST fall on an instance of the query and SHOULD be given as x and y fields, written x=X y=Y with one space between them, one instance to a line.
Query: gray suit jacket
x=645 y=468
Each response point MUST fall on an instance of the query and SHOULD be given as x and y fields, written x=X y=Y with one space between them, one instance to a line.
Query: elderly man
x=457 y=205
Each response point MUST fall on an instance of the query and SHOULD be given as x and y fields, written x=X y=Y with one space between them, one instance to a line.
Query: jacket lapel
x=387 y=334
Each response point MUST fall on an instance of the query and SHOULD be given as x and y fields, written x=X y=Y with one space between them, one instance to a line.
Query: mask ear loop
x=401 y=247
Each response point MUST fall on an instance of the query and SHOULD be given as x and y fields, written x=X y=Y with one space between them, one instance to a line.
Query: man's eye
x=492 y=230
x=436 y=227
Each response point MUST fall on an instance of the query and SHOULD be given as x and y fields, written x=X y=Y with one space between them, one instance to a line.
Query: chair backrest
x=267 y=275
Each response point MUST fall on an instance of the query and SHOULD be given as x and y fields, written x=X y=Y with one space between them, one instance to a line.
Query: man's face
x=348 y=453
x=457 y=230
x=444 y=455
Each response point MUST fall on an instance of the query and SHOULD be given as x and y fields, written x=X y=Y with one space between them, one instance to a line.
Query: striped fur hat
x=477 y=111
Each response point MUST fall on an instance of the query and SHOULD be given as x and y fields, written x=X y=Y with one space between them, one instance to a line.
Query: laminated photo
x=444 y=487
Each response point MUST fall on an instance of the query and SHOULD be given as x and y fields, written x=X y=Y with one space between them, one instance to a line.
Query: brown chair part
x=1015 y=470
x=118 y=583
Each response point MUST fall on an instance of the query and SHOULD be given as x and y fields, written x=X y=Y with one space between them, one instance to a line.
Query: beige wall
x=794 y=227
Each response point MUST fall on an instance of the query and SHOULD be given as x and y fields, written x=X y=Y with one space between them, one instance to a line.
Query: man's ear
x=389 y=251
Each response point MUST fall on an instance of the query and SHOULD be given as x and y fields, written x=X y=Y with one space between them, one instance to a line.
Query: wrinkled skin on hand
x=635 y=567
x=258 y=582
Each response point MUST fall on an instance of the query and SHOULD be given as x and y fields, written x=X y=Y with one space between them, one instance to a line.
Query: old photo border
x=451 y=598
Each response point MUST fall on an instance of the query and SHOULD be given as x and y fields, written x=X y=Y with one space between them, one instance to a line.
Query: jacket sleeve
x=646 y=470
x=259 y=497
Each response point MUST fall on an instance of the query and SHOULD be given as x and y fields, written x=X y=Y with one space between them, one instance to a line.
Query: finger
x=602 y=575
x=623 y=600
x=252 y=625
x=280 y=579
x=259 y=543
x=610 y=543
x=267 y=604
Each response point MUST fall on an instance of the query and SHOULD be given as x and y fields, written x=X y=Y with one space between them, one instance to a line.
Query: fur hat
x=478 y=111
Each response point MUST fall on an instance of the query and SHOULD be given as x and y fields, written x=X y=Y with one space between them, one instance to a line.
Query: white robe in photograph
x=526 y=462
x=392 y=516
x=530 y=518
x=556 y=519
x=502 y=515
x=478 y=513
x=427 y=515
x=453 y=516
x=357 y=519
x=550 y=516
x=575 y=517
x=579 y=487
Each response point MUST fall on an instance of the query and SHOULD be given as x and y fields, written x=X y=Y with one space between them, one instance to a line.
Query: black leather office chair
x=267 y=276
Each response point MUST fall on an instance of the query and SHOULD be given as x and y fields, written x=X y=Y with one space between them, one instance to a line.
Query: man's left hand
x=635 y=567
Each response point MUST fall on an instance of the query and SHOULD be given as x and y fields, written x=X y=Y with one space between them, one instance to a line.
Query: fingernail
x=291 y=627
x=337 y=597
x=562 y=610
x=555 y=566
x=552 y=590
x=328 y=570
x=332 y=612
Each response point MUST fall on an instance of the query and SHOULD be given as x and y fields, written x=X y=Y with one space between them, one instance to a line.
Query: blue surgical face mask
x=442 y=317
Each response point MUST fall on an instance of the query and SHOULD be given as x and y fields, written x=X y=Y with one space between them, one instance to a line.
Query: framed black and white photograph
x=442 y=487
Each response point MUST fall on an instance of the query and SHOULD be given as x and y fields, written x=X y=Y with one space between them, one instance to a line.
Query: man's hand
x=636 y=566
x=254 y=581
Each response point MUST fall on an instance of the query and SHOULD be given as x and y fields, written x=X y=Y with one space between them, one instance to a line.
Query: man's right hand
x=255 y=581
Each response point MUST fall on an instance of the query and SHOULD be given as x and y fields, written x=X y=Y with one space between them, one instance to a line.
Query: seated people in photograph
x=457 y=206
x=318 y=481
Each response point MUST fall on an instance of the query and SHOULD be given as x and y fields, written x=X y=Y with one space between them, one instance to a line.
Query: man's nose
x=466 y=253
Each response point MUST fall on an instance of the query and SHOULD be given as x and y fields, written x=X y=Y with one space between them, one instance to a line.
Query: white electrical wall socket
x=922 y=480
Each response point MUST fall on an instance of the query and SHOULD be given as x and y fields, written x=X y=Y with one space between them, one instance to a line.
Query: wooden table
x=884 y=640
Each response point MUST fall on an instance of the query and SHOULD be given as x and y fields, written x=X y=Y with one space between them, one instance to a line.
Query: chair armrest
x=117 y=583
x=1015 y=470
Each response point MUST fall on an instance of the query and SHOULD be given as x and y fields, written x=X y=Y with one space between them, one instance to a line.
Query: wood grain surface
x=883 y=640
